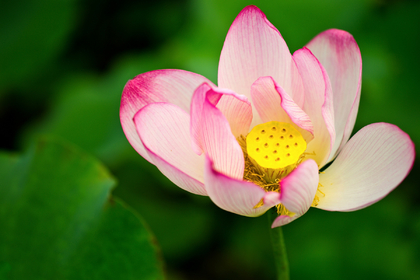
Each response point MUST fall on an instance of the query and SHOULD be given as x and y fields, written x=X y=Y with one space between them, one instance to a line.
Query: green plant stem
x=279 y=248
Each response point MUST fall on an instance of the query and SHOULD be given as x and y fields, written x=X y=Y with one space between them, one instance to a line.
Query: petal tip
x=251 y=9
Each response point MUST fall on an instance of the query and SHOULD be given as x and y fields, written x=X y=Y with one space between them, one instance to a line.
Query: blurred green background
x=64 y=63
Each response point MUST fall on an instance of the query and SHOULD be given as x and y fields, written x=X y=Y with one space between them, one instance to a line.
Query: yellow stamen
x=282 y=211
x=259 y=204
x=316 y=198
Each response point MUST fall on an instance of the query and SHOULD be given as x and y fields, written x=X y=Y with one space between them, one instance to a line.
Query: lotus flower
x=259 y=138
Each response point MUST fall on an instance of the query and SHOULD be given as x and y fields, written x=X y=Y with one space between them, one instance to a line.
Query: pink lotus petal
x=339 y=53
x=178 y=177
x=254 y=48
x=372 y=164
x=299 y=187
x=318 y=104
x=196 y=111
x=211 y=132
x=164 y=130
x=237 y=110
x=274 y=104
x=237 y=196
x=298 y=191
x=283 y=220
x=173 y=86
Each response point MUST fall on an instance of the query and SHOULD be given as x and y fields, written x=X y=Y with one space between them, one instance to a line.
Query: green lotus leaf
x=59 y=221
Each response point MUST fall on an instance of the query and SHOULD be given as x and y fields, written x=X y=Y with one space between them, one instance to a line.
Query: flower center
x=275 y=145
x=272 y=150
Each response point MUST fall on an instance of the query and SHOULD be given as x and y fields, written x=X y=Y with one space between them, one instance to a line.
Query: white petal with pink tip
x=339 y=53
x=254 y=48
x=372 y=164
x=173 y=86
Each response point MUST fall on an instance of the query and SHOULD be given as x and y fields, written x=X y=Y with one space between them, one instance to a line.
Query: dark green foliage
x=58 y=220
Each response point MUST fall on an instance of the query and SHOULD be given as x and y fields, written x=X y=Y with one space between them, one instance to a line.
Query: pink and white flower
x=206 y=138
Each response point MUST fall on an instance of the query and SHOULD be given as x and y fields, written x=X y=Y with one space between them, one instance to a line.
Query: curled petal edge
x=237 y=196
x=274 y=104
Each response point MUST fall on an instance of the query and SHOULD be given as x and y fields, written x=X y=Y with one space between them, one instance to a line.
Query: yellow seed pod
x=275 y=144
